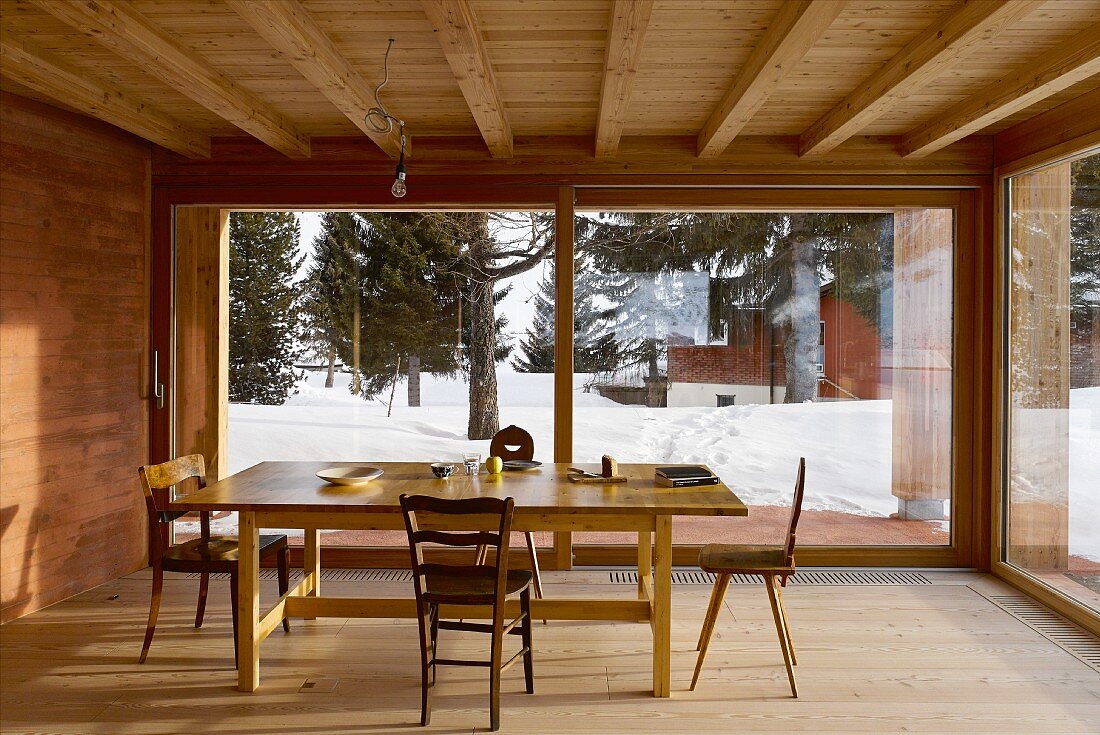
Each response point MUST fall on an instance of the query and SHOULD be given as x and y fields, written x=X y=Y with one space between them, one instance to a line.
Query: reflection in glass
x=1053 y=381
x=744 y=340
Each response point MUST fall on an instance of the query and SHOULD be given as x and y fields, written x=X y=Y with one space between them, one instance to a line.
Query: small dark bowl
x=443 y=470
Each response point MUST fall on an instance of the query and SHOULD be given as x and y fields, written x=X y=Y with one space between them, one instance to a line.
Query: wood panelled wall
x=74 y=236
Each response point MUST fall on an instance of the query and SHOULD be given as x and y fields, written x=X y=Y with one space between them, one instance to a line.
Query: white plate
x=349 y=475
x=519 y=465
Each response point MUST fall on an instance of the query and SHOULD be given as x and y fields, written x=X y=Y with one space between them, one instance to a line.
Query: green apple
x=494 y=465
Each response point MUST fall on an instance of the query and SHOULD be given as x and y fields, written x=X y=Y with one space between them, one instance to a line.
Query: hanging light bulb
x=399 y=189
x=382 y=121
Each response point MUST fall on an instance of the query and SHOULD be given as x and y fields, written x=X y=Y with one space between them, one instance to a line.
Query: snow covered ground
x=755 y=448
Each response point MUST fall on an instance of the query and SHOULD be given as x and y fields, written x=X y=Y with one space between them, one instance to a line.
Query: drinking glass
x=472 y=460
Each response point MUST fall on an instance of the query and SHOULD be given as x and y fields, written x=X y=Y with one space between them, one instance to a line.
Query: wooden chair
x=477 y=584
x=205 y=555
x=774 y=563
x=513 y=436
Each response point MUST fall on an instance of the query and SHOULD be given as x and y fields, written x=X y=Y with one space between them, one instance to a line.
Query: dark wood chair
x=774 y=563
x=511 y=443
x=476 y=584
x=205 y=555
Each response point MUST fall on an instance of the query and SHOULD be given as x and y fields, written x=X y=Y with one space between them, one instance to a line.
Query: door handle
x=158 y=387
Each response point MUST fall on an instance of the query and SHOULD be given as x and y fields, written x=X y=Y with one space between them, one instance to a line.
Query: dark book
x=687 y=482
x=685 y=472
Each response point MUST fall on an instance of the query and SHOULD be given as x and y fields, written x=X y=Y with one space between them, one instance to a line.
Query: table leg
x=645 y=563
x=662 y=608
x=312 y=565
x=248 y=604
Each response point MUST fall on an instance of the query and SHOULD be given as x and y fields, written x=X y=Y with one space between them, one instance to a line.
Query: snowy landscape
x=754 y=448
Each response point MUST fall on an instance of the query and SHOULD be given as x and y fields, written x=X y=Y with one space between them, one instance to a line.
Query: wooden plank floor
x=936 y=658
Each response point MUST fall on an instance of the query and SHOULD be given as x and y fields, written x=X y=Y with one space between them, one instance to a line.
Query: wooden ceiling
x=926 y=73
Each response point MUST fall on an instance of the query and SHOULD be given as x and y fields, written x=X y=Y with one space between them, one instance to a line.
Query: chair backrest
x=796 y=508
x=512 y=436
x=156 y=477
x=419 y=508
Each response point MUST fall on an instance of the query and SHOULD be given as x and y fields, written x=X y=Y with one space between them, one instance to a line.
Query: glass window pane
x=744 y=340
x=397 y=336
x=1053 y=382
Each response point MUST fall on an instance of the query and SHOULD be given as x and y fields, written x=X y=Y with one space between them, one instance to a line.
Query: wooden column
x=202 y=336
x=922 y=361
x=563 y=352
x=1038 y=369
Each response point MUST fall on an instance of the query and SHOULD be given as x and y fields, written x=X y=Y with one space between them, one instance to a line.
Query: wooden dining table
x=290 y=495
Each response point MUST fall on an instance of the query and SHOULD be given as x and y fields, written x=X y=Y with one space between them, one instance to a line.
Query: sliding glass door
x=1052 y=377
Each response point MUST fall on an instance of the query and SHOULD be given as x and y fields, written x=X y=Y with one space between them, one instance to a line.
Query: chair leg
x=786 y=623
x=283 y=560
x=494 y=672
x=769 y=583
x=233 y=607
x=717 y=595
x=481 y=554
x=204 y=587
x=534 y=557
x=434 y=613
x=423 y=620
x=528 y=656
x=154 y=610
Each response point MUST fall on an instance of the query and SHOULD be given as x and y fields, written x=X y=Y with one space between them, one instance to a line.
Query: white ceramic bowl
x=349 y=475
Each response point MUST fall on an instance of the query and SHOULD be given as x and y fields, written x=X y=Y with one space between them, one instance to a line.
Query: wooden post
x=1038 y=369
x=922 y=361
x=563 y=351
x=202 y=336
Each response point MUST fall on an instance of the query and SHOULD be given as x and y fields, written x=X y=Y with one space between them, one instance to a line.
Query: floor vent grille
x=1076 y=641
x=826 y=578
x=334 y=575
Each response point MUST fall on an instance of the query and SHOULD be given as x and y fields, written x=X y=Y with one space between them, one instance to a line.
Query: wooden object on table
x=477 y=584
x=501 y=446
x=595 y=480
x=205 y=555
x=774 y=563
x=610 y=466
x=289 y=495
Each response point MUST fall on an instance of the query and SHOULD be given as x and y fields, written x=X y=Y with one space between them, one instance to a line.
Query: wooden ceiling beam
x=131 y=35
x=969 y=25
x=25 y=63
x=456 y=25
x=626 y=32
x=287 y=26
x=1073 y=61
x=790 y=35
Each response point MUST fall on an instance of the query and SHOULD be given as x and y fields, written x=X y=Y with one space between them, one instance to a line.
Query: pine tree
x=409 y=297
x=331 y=292
x=263 y=306
x=595 y=347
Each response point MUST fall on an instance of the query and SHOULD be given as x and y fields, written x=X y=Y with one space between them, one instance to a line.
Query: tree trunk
x=356 y=381
x=330 y=380
x=803 y=312
x=484 y=413
x=414 y=380
x=393 y=387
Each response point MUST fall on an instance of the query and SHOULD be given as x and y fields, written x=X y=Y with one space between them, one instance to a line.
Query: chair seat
x=744 y=559
x=441 y=588
x=217 y=551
